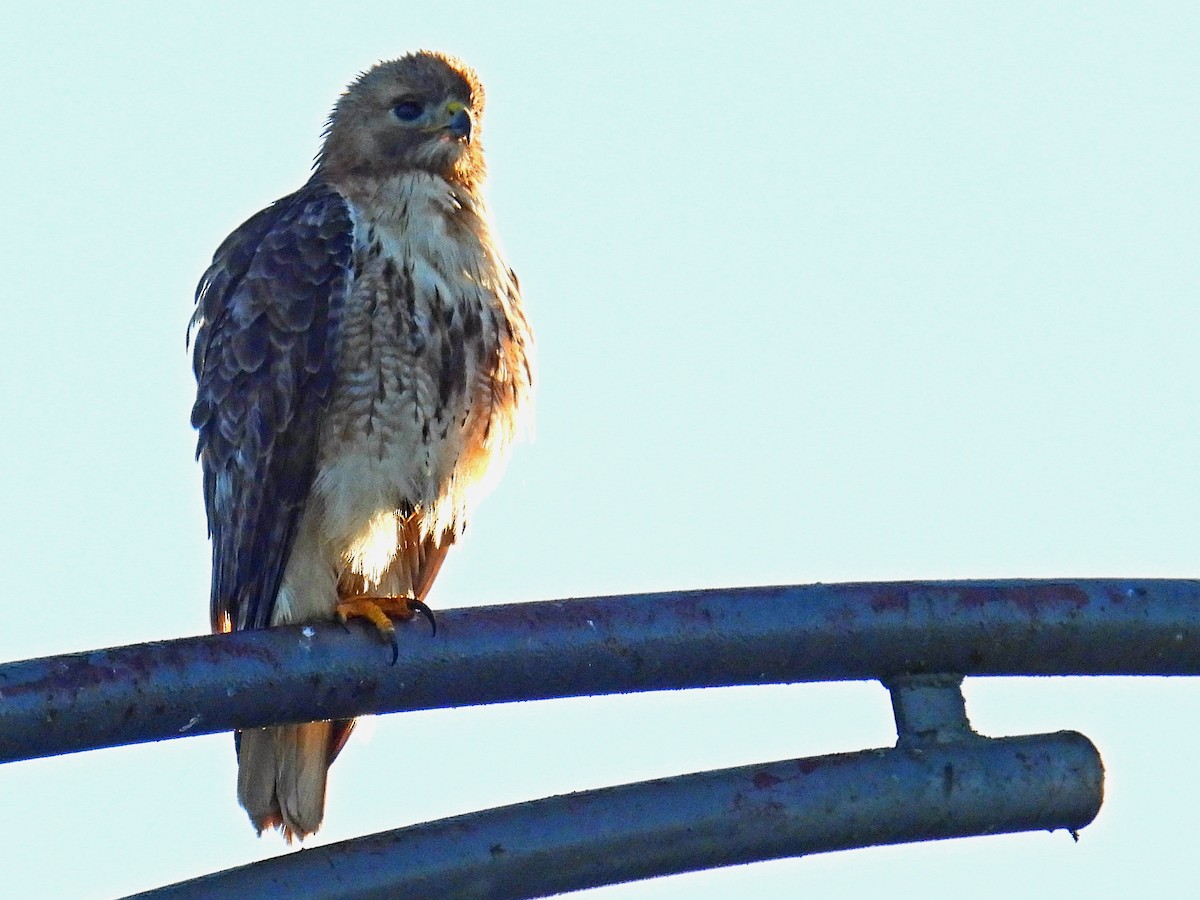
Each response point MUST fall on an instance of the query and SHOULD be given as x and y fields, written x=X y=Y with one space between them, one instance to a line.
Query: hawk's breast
x=431 y=369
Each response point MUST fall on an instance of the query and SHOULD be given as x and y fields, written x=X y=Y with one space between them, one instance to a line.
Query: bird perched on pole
x=362 y=361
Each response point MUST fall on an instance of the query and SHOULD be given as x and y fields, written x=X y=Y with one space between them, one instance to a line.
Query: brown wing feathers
x=267 y=319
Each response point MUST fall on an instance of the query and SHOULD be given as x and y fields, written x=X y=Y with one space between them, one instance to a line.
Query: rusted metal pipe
x=600 y=645
x=747 y=814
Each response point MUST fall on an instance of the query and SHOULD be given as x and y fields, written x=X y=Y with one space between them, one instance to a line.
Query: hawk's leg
x=380 y=611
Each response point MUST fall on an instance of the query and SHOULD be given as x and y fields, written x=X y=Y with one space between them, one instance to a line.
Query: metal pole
x=599 y=646
x=721 y=818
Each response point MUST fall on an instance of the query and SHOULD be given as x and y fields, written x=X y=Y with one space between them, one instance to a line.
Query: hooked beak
x=457 y=120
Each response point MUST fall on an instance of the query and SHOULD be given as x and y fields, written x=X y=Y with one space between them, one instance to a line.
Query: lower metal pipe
x=974 y=786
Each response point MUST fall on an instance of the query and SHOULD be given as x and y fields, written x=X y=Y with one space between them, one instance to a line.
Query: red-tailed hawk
x=362 y=360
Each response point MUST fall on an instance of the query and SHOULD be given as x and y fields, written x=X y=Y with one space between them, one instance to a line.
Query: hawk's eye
x=407 y=110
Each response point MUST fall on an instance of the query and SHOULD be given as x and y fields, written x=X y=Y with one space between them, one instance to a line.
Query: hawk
x=362 y=360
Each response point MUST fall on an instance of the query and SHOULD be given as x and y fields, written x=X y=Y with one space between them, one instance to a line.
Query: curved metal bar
x=770 y=811
x=602 y=645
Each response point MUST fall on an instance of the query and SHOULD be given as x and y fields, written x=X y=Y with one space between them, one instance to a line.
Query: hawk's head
x=420 y=112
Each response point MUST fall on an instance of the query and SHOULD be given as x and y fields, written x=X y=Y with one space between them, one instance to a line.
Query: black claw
x=426 y=612
x=395 y=649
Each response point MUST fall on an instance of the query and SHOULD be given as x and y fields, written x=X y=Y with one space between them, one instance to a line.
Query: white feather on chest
x=427 y=388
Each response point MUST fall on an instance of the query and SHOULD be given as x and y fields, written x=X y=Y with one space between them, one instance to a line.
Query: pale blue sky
x=823 y=292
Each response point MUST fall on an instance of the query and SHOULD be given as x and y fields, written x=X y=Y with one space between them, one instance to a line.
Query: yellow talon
x=380 y=611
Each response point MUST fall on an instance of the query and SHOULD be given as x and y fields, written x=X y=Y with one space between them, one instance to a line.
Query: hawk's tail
x=282 y=772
